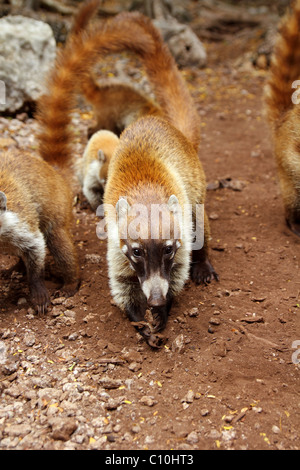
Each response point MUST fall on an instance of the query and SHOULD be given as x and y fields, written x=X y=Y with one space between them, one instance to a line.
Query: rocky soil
x=227 y=377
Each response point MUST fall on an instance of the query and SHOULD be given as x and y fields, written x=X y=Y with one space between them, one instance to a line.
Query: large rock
x=27 y=52
x=184 y=44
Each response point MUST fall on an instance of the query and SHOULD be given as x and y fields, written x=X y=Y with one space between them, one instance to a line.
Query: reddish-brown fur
x=72 y=64
x=115 y=104
x=157 y=158
x=284 y=116
x=38 y=214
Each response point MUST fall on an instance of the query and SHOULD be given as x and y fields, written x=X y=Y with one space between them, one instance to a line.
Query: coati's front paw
x=152 y=338
x=40 y=297
x=203 y=272
x=155 y=340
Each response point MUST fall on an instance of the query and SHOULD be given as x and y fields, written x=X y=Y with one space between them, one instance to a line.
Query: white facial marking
x=124 y=249
x=153 y=283
x=18 y=235
x=135 y=245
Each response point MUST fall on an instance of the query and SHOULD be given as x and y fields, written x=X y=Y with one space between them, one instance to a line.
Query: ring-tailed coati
x=36 y=214
x=155 y=165
x=283 y=115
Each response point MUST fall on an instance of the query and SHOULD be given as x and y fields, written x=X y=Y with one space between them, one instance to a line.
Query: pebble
x=136 y=428
x=276 y=429
x=3 y=352
x=192 y=437
x=29 y=339
x=18 y=430
x=194 y=312
x=62 y=428
x=109 y=383
x=134 y=366
x=148 y=401
x=178 y=344
x=189 y=398
x=93 y=258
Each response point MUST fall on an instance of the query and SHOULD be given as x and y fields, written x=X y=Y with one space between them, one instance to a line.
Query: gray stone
x=27 y=52
x=184 y=44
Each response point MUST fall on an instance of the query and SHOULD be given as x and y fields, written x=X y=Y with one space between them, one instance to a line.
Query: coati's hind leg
x=202 y=271
x=62 y=249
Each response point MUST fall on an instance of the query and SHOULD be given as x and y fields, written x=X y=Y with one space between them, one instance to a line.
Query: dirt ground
x=227 y=378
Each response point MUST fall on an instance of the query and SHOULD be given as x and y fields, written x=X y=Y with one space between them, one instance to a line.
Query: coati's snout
x=152 y=262
x=152 y=251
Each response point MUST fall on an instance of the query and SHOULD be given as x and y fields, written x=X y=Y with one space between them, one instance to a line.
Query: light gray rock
x=3 y=353
x=184 y=44
x=27 y=52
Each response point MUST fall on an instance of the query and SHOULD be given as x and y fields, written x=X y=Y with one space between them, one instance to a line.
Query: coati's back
x=35 y=213
x=151 y=151
x=30 y=182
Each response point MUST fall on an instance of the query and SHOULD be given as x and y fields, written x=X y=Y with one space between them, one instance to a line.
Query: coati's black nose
x=156 y=299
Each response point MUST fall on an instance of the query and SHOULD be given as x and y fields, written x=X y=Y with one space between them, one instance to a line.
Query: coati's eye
x=137 y=252
x=168 y=250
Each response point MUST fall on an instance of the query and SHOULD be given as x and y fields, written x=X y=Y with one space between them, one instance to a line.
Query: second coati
x=284 y=116
x=155 y=165
x=36 y=214
x=92 y=168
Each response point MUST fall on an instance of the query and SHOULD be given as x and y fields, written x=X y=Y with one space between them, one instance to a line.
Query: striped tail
x=285 y=66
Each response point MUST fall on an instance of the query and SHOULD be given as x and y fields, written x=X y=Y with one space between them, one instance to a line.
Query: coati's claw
x=40 y=298
x=156 y=341
x=203 y=273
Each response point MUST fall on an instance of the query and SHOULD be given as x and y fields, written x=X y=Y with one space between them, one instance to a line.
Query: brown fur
x=85 y=13
x=93 y=167
x=115 y=104
x=156 y=159
x=284 y=116
x=38 y=214
x=73 y=63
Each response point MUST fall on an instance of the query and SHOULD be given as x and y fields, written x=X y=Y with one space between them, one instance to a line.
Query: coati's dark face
x=152 y=262
x=150 y=238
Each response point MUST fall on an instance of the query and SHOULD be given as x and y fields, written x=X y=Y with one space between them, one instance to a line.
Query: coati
x=116 y=105
x=284 y=116
x=93 y=167
x=155 y=165
x=36 y=214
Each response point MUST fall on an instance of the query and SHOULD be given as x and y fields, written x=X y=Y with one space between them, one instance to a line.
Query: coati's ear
x=122 y=208
x=101 y=156
x=3 y=202
x=173 y=204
